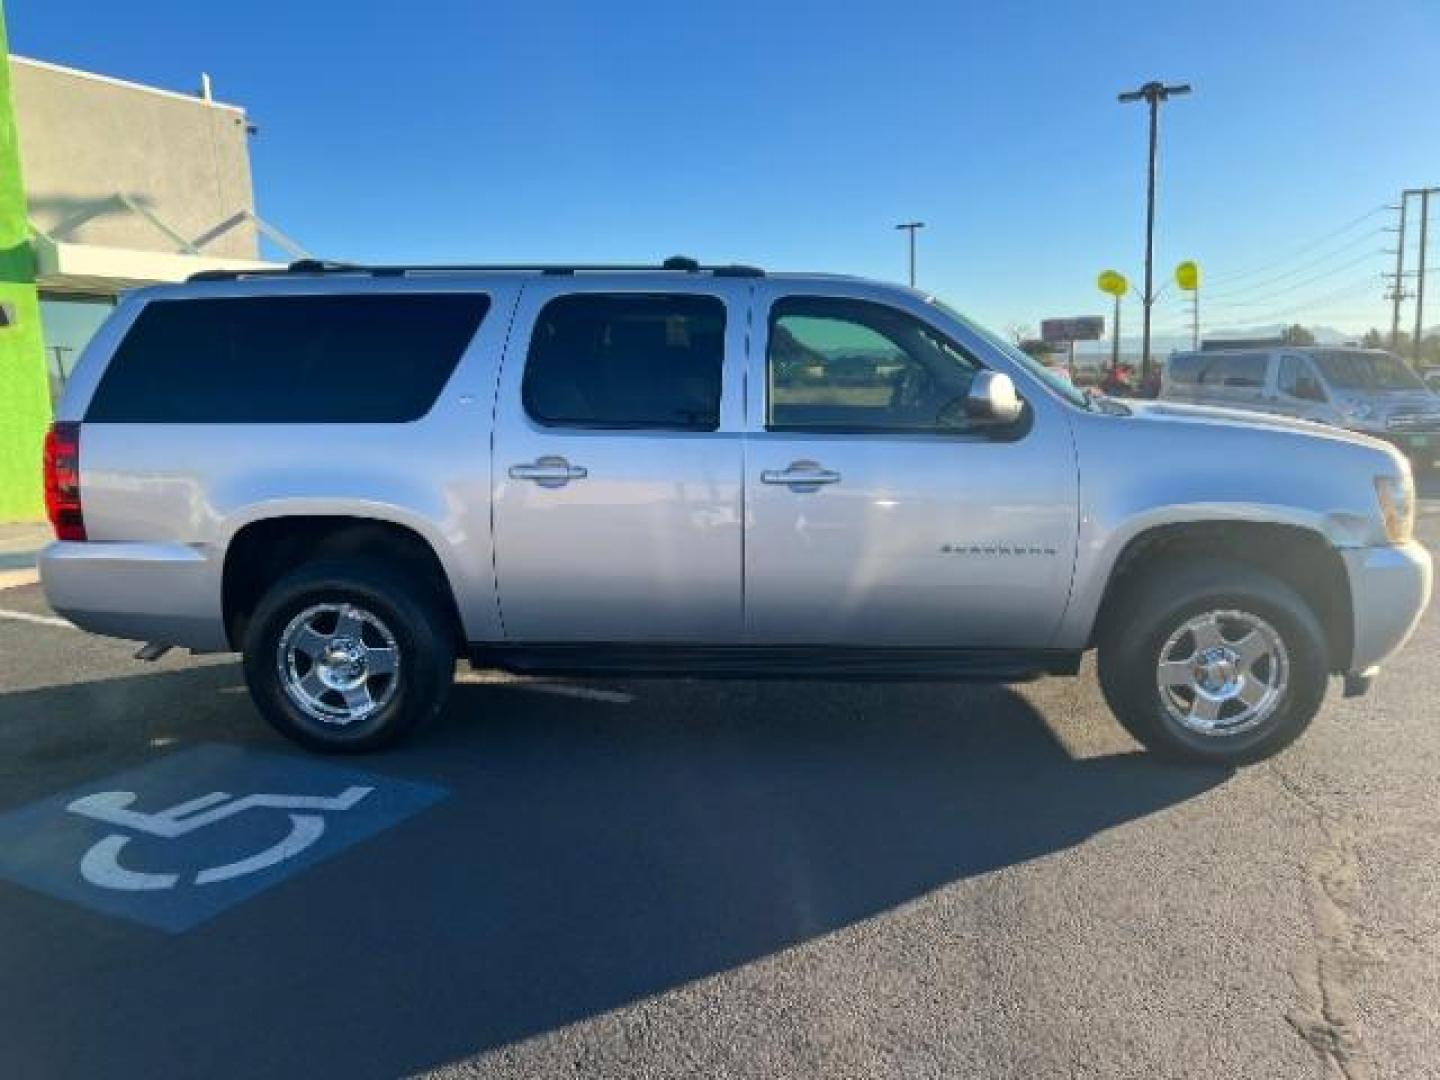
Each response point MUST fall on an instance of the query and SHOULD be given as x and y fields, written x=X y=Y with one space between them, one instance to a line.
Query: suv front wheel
x=1213 y=662
x=345 y=656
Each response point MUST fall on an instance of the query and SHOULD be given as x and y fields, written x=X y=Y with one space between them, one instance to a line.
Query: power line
x=1303 y=249
x=1350 y=245
x=1307 y=305
x=1234 y=320
x=1269 y=297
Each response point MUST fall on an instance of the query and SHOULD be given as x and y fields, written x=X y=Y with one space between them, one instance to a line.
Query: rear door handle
x=800 y=476
x=550 y=472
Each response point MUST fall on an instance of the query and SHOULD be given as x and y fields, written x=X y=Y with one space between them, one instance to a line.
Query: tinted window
x=1288 y=375
x=362 y=358
x=1184 y=369
x=1296 y=378
x=1239 y=369
x=849 y=365
x=602 y=360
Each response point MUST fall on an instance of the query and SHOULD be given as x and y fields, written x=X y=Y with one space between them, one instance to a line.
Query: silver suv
x=355 y=475
x=1365 y=390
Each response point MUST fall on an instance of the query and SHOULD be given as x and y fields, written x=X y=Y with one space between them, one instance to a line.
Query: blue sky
x=795 y=135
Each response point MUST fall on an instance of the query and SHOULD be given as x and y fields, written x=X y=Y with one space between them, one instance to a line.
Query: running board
x=820 y=662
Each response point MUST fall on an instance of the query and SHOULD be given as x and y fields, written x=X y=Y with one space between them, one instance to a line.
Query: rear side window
x=1184 y=369
x=359 y=358
x=1245 y=370
x=1288 y=375
x=627 y=360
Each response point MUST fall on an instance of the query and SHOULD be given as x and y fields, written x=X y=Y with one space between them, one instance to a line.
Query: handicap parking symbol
x=176 y=841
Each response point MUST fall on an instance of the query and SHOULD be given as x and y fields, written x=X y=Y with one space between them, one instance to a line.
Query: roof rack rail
x=679 y=264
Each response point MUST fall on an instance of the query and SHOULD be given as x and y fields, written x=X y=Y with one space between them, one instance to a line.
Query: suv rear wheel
x=345 y=656
x=1213 y=662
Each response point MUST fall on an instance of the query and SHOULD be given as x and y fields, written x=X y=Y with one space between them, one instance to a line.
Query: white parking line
x=39 y=620
x=520 y=682
x=618 y=697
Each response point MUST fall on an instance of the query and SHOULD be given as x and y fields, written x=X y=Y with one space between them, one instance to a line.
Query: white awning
x=85 y=268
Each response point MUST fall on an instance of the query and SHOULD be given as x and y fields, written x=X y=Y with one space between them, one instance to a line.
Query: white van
x=1365 y=390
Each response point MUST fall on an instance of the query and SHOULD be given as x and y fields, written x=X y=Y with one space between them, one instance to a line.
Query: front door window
x=856 y=366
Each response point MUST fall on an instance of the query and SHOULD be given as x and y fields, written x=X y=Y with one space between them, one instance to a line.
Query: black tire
x=407 y=609
x=1160 y=601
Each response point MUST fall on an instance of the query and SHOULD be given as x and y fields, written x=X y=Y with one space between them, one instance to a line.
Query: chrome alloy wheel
x=1223 y=672
x=338 y=662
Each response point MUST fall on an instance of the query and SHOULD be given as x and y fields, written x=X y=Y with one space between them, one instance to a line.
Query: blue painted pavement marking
x=180 y=839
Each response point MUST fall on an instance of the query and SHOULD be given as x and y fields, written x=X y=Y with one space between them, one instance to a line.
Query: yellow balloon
x=1113 y=282
x=1187 y=275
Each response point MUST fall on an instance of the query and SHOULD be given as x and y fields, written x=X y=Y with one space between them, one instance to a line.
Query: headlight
x=1397 y=506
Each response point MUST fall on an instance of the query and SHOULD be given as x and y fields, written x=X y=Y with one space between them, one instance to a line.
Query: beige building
x=127 y=185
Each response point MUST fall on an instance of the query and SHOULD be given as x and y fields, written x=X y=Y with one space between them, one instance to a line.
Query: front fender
x=1138 y=475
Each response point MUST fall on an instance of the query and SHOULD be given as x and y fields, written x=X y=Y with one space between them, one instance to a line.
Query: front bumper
x=165 y=593
x=1389 y=588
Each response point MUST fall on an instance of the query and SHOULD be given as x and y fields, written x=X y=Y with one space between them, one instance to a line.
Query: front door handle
x=800 y=476
x=549 y=472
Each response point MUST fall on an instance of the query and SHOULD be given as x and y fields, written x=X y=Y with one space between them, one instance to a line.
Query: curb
x=12 y=579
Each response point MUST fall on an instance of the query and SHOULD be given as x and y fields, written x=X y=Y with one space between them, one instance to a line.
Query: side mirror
x=992 y=398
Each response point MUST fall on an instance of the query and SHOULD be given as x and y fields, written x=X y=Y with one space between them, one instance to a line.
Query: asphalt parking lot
x=690 y=878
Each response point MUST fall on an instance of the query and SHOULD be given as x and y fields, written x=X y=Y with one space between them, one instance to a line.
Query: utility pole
x=1397 y=290
x=911 y=227
x=1424 y=194
x=1152 y=93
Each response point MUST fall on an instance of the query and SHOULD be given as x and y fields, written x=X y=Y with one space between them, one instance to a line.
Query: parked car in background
x=1431 y=378
x=356 y=475
x=1365 y=390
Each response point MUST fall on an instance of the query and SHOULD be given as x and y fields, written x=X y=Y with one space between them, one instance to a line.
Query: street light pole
x=1115 y=338
x=1152 y=93
x=911 y=227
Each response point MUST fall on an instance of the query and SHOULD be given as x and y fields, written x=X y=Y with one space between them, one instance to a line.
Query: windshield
x=1057 y=382
x=1352 y=369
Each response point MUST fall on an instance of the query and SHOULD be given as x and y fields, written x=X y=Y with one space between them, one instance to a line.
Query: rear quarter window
x=1184 y=369
x=1242 y=370
x=359 y=358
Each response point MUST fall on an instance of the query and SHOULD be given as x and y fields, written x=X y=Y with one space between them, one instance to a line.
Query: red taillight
x=62 y=480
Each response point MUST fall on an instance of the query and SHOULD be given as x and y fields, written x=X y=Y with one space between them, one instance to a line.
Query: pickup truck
x=356 y=475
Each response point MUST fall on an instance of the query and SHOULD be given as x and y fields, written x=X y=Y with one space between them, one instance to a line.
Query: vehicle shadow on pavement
x=590 y=854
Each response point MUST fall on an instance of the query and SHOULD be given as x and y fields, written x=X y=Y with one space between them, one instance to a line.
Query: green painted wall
x=24 y=387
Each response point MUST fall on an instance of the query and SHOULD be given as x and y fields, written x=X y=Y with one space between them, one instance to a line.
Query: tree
x=1430 y=350
x=1429 y=346
x=1298 y=335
